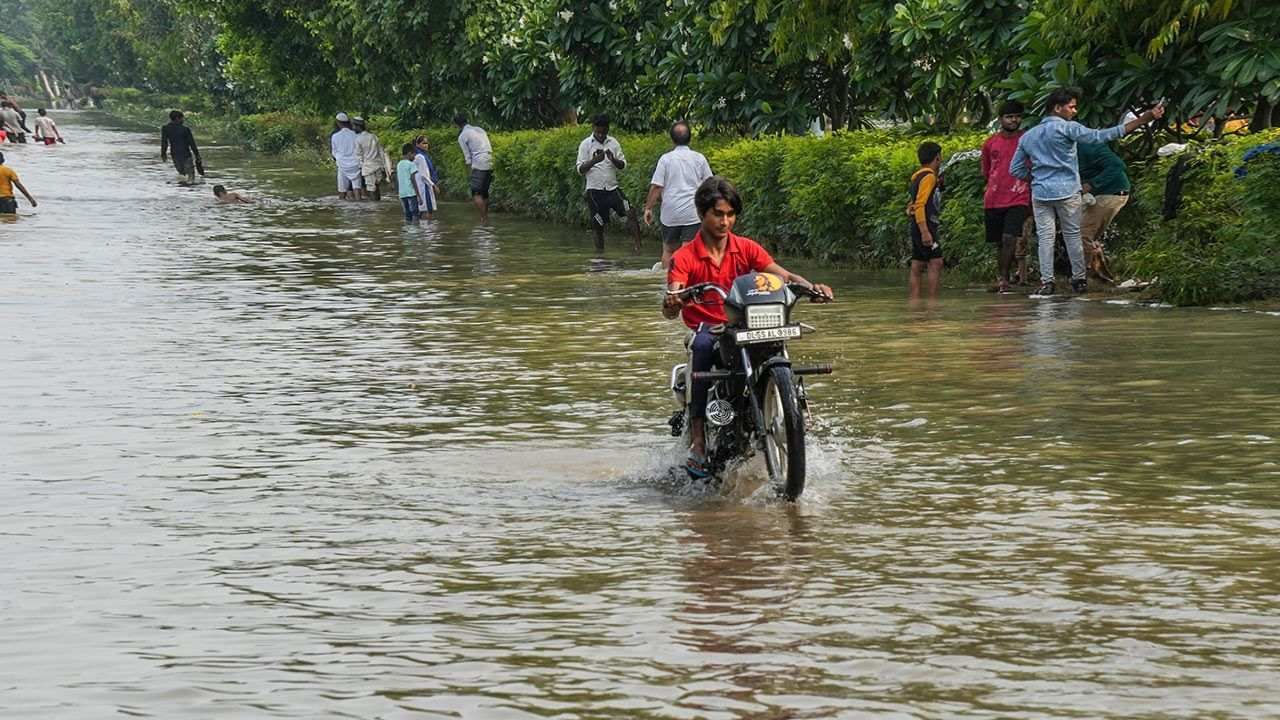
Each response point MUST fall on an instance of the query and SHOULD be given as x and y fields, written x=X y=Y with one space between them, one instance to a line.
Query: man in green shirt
x=1103 y=178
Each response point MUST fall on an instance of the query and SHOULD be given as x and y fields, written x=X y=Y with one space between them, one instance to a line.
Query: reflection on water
x=300 y=459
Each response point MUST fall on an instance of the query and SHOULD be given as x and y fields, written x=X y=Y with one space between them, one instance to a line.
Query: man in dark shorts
x=177 y=138
x=925 y=207
x=600 y=158
x=1007 y=200
x=676 y=179
x=9 y=181
x=478 y=155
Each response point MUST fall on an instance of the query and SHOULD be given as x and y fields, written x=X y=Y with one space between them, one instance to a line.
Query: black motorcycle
x=757 y=400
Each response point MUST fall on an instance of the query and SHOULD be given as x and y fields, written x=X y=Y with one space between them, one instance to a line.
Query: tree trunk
x=48 y=89
x=1265 y=115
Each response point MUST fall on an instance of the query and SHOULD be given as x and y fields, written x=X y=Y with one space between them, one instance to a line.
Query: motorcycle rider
x=718 y=256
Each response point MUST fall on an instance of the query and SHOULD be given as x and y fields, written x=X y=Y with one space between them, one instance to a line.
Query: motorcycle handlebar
x=696 y=291
x=811 y=293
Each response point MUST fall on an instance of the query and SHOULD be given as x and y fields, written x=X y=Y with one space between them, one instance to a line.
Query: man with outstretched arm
x=1049 y=149
x=718 y=256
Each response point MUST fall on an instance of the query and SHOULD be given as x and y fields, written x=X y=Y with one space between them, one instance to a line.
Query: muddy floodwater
x=298 y=460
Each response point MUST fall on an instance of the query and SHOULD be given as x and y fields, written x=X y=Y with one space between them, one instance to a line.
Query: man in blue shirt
x=1046 y=155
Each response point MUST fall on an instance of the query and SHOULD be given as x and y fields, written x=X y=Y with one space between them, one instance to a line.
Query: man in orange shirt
x=8 y=181
x=714 y=255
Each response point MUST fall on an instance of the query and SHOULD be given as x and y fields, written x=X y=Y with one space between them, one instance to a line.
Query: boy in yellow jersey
x=925 y=207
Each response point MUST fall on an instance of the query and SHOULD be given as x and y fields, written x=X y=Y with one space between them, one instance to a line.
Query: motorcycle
x=757 y=401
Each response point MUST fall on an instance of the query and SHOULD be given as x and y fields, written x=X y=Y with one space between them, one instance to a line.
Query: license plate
x=747 y=337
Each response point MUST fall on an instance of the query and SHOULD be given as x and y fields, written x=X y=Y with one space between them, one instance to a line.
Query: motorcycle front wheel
x=783 y=433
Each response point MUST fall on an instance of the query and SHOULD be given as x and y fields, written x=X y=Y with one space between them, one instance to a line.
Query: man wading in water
x=717 y=256
x=177 y=138
x=600 y=158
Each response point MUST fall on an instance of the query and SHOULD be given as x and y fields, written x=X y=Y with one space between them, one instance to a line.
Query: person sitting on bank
x=177 y=138
x=1106 y=190
x=718 y=256
x=228 y=198
x=676 y=178
x=9 y=181
x=600 y=158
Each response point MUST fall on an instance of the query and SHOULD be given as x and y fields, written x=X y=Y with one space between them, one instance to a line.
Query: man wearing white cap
x=342 y=145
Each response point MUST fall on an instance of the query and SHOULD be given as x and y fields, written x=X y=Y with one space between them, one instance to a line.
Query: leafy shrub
x=1222 y=246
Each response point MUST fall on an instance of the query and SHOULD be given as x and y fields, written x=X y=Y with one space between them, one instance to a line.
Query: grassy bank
x=841 y=198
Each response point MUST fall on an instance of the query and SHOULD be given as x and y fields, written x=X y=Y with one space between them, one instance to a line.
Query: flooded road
x=298 y=460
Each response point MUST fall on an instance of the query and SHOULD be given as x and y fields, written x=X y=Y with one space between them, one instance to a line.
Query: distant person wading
x=176 y=138
x=477 y=153
x=676 y=179
x=342 y=146
x=600 y=157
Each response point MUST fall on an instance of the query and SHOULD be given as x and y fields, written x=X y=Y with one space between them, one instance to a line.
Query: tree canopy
x=745 y=66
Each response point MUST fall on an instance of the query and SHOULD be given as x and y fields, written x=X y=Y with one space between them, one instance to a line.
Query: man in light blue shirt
x=478 y=154
x=1046 y=155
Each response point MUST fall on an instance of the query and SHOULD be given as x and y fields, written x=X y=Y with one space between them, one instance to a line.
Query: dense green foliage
x=1223 y=245
x=735 y=66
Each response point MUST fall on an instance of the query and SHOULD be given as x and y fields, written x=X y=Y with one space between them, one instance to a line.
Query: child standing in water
x=427 y=176
x=406 y=173
x=924 y=208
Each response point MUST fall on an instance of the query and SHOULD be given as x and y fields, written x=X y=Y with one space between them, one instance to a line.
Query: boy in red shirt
x=714 y=255
x=1007 y=200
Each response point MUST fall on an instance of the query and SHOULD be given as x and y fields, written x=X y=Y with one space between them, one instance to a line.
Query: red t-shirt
x=692 y=264
x=1003 y=189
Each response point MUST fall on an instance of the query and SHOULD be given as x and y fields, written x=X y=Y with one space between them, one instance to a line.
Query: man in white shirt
x=675 y=180
x=478 y=154
x=342 y=145
x=47 y=129
x=599 y=160
x=374 y=164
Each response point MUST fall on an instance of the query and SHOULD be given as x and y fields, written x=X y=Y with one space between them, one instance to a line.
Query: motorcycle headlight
x=766 y=316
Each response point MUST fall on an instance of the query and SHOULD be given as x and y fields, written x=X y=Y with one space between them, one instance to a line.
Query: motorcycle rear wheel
x=783 y=433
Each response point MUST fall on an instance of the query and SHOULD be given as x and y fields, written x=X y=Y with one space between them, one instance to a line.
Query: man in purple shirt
x=1050 y=150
